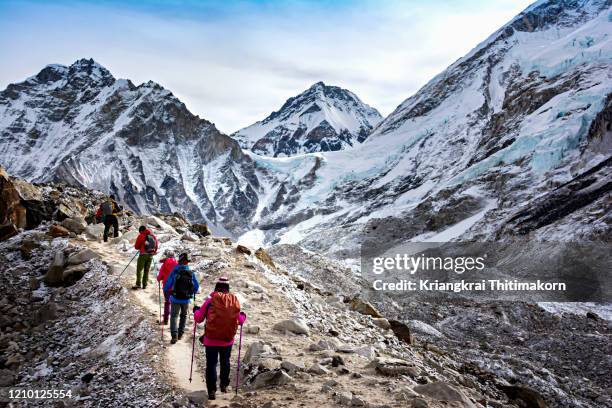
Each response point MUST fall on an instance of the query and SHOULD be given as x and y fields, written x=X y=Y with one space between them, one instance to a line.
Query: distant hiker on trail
x=182 y=286
x=221 y=310
x=168 y=264
x=107 y=213
x=146 y=244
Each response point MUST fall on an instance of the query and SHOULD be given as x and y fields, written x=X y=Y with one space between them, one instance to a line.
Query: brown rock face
x=58 y=231
x=243 y=250
x=264 y=257
x=12 y=213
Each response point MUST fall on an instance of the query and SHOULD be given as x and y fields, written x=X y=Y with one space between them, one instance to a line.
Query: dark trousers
x=111 y=221
x=177 y=309
x=216 y=354
x=166 y=306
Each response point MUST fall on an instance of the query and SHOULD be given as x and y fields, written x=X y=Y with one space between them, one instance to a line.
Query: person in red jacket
x=168 y=264
x=146 y=244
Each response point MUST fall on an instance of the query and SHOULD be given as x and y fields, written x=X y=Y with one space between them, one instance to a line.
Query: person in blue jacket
x=182 y=286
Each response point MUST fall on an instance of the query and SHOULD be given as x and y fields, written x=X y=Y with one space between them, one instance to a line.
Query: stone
x=201 y=230
x=198 y=398
x=273 y=378
x=131 y=235
x=318 y=369
x=401 y=330
x=361 y=306
x=12 y=212
x=26 y=248
x=441 y=391
x=344 y=397
x=260 y=350
x=94 y=231
x=331 y=344
x=419 y=403
x=8 y=230
x=381 y=322
x=368 y=352
x=73 y=273
x=527 y=395
x=7 y=377
x=55 y=272
x=293 y=326
x=394 y=367
x=58 y=231
x=190 y=236
x=45 y=313
x=292 y=367
x=241 y=249
x=357 y=401
x=76 y=225
x=82 y=257
x=265 y=258
x=251 y=329
x=159 y=223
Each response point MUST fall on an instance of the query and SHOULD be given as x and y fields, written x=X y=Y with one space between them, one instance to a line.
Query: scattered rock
x=190 y=236
x=294 y=326
x=381 y=322
x=26 y=248
x=45 y=313
x=201 y=230
x=197 y=398
x=394 y=367
x=82 y=257
x=318 y=369
x=7 y=378
x=58 y=231
x=73 y=273
x=252 y=329
x=76 y=225
x=272 y=378
x=359 y=305
x=94 y=231
x=401 y=330
x=292 y=367
x=243 y=250
x=528 y=396
x=260 y=350
x=368 y=352
x=265 y=258
x=55 y=272
x=441 y=391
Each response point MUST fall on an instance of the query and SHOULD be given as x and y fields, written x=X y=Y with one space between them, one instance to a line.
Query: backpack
x=150 y=244
x=99 y=217
x=107 y=208
x=221 y=317
x=183 y=287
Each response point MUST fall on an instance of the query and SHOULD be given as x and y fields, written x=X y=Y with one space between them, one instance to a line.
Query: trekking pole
x=126 y=266
x=238 y=369
x=161 y=322
x=195 y=325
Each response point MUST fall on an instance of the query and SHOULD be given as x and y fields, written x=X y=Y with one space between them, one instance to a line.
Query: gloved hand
x=242 y=318
x=196 y=308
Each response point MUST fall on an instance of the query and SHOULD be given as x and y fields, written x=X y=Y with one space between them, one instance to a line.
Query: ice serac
x=80 y=125
x=474 y=153
x=322 y=118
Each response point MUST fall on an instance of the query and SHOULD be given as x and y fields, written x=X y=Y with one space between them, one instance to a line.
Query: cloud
x=235 y=62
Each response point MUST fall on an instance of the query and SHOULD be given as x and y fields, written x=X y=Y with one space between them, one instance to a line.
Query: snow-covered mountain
x=80 y=125
x=511 y=140
x=322 y=118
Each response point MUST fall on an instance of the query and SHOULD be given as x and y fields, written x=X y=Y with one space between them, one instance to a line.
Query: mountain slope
x=522 y=114
x=80 y=125
x=322 y=118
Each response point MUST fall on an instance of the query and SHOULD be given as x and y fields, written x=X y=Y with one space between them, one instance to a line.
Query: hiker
x=108 y=212
x=182 y=285
x=146 y=244
x=168 y=264
x=221 y=310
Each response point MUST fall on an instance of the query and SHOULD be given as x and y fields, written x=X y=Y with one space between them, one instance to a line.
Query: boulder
x=364 y=307
x=12 y=212
x=260 y=350
x=401 y=330
x=58 y=231
x=381 y=322
x=131 y=236
x=190 y=236
x=368 y=352
x=70 y=208
x=273 y=378
x=82 y=257
x=241 y=249
x=265 y=258
x=197 y=398
x=318 y=369
x=251 y=329
x=293 y=326
x=94 y=231
x=394 y=367
x=201 y=230
x=73 y=273
x=440 y=391
x=292 y=367
x=76 y=225
x=55 y=272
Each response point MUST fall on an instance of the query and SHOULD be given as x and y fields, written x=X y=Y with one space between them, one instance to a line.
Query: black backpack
x=150 y=244
x=107 y=208
x=183 y=284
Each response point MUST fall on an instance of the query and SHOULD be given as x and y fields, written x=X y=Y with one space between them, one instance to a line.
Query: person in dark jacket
x=110 y=211
x=182 y=286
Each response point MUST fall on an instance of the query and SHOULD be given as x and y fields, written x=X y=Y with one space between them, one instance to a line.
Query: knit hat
x=222 y=285
x=184 y=258
x=223 y=279
x=168 y=253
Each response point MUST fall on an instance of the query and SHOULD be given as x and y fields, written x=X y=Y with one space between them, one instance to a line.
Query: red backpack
x=221 y=317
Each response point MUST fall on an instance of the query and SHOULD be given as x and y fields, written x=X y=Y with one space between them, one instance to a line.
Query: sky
x=234 y=62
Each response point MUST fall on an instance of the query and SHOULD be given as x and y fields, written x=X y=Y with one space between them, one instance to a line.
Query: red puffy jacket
x=140 y=241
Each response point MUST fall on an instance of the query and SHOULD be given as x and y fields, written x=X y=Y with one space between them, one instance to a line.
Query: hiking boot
x=180 y=336
x=224 y=389
x=144 y=287
x=211 y=396
x=173 y=341
x=135 y=287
